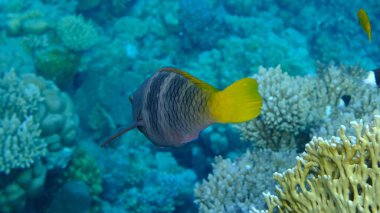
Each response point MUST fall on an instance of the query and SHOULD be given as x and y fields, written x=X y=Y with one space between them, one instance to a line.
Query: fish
x=365 y=23
x=172 y=107
x=373 y=78
x=78 y=80
x=346 y=100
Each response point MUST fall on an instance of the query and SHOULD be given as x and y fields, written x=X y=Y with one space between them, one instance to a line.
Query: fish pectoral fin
x=117 y=135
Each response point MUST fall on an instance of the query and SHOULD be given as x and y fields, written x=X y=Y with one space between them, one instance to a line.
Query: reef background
x=68 y=67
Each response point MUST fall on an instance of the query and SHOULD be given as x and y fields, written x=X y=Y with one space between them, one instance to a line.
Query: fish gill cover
x=68 y=68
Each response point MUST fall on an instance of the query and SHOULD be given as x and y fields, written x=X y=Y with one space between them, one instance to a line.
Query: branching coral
x=296 y=107
x=35 y=117
x=337 y=175
x=333 y=83
x=76 y=33
x=37 y=132
x=338 y=81
x=236 y=186
x=57 y=120
x=20 y=142
x=286 y=111
x=286 y=106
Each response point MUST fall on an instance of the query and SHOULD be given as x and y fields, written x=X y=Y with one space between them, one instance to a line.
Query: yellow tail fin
x=239 y=102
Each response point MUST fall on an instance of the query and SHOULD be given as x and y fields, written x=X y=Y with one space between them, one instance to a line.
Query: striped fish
x=172 y=107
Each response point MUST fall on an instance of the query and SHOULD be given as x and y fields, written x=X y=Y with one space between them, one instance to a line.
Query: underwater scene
x=210 y=106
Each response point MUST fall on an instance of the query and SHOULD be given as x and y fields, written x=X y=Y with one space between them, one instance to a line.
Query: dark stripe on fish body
x=166 y=109
x=189 y=101
x=185 y=103
x=174 y=105
x=376 y=72
x=183 y=111
x=152 y=101
x=178 y=85
x=197 y=112
x=179 y=109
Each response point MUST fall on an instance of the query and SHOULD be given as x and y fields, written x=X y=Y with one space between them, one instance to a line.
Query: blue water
x=67 y=68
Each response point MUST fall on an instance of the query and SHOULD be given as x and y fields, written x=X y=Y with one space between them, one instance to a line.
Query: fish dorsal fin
x=199 y=83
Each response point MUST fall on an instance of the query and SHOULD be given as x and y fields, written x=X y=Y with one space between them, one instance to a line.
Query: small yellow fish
x=364 y=22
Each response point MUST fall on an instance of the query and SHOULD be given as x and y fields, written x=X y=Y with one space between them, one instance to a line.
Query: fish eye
x=130 y=99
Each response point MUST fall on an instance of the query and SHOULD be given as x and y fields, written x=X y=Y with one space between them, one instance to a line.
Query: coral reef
x=12 y=49
x=337 y=175
x=58 y=65
x=294 y=108
x=286 y=113
x=333 y=83
x=203 y=29
x=100 y=51
x=20 y=185
x=140 y=180
x=84 y=168
x=73 y=196
x=37 y=131
x=237 y=186
x=19 y=133
x=285 y=97
x=76 y=33
x=57 y=120
x=240 y=7
x=87 y=4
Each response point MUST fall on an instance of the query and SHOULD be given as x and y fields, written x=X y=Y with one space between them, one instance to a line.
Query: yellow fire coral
x=337 y=175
